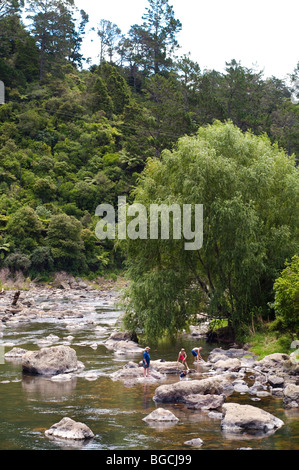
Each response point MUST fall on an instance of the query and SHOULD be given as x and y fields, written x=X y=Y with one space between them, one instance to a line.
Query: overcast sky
x=262 y=33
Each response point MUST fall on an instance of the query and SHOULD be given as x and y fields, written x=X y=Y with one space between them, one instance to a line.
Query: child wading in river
x=196 y=353
x=183 y=357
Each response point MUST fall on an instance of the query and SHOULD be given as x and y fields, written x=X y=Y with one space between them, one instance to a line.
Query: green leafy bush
x=286 y=303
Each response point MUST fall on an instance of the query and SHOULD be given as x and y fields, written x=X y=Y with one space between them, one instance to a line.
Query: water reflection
x=69 y=444
x=147 y=396
x=45 y=388
x=247 y=436
x=112 y=410
x=162 y=426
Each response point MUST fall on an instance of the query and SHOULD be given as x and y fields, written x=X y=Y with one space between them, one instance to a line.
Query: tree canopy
x=249 y=189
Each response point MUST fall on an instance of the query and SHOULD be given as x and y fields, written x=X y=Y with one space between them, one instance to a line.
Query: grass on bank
x=265 y=342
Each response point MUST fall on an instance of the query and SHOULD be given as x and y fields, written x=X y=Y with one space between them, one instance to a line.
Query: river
x=113 y=411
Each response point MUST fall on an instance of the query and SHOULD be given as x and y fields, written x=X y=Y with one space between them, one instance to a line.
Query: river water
x=113 y=411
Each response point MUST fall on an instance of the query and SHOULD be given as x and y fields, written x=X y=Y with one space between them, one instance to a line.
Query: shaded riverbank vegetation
x=150 y=125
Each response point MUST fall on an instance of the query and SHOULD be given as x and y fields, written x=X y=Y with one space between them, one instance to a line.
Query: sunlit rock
x=50 y=361
x=238 y=418
x=67 y=428
x=160 y=414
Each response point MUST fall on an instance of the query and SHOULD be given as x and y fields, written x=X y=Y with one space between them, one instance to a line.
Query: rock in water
x=161 y=415
x=15 y=353
x=291 y=396
x=50 y=361
x=177 y=392
x=132 y=373
x=167 y=367
x=67 y=428
x=204 y=402
x=197 y=442
x=238 y=418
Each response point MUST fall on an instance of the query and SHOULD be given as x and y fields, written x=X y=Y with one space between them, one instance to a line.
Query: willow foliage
x=249 y=191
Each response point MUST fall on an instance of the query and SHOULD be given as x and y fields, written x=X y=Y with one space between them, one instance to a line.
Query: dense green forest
x=74 y=135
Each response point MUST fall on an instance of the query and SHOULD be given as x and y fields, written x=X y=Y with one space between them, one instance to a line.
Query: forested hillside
x=74 y=135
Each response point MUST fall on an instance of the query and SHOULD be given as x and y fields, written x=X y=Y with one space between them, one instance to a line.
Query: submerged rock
x=62 y=378
x=67 y=428
x=50 y=361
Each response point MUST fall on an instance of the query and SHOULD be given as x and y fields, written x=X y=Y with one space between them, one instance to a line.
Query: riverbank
x=67 y=299
x=23 y=300
x=61 y=279
x=262 y=341
x=20 y=301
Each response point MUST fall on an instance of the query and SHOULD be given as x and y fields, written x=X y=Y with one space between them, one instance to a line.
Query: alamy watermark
x=152 y=223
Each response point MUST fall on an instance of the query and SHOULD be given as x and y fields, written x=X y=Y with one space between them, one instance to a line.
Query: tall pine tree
x=157 y=36
x=54 y=27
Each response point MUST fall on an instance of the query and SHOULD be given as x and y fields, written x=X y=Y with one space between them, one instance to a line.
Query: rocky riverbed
x=211 y=388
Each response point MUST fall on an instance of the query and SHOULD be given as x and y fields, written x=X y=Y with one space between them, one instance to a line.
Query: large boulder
x=67 y=428
x=237 y=418
x=275 y=361
x=50 y=361
x=126 y=347
x=178 y=391
x=121 y=344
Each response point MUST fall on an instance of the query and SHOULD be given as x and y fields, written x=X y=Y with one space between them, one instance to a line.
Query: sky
x=261 y=34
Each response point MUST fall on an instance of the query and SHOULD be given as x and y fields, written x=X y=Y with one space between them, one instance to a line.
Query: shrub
x=286 y=302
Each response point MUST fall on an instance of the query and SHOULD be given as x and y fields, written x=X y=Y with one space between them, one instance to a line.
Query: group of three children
x=181 y=357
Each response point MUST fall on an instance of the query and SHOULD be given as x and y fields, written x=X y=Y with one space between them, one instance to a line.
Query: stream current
x=114 y=412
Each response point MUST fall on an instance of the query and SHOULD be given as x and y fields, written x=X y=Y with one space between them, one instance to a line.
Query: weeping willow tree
x=249 y=192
